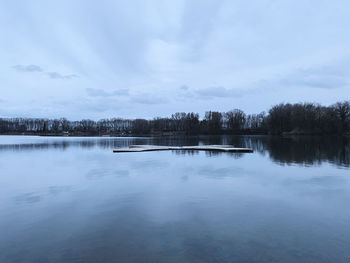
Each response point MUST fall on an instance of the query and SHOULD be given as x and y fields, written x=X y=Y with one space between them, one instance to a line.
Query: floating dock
x=217 y=148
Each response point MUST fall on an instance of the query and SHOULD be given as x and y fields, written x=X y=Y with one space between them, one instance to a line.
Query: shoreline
x=286 y=135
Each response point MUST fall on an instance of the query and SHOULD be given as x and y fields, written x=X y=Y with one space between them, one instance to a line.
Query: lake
x=66 y=199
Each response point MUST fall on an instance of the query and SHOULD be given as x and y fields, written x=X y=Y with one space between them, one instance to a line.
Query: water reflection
x=304 y=150
x=220 y=173
x=98 y=173
x=75 y=201
x=35 y=197
x=309 y=150
x=27 y=198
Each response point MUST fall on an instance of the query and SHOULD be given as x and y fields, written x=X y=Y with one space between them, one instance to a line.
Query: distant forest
x=284 y=118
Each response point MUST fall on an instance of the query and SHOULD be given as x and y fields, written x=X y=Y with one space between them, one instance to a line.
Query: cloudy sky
x=97 y=59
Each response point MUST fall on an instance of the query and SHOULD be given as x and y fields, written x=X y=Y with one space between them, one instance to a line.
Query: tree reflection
x=304 y=150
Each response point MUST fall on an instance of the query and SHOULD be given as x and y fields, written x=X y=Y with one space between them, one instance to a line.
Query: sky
x=141 y=59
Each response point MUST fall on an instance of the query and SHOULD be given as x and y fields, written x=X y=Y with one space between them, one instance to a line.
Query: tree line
x=284 y=118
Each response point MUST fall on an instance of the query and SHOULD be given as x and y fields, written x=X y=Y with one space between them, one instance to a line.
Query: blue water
x=73 y=200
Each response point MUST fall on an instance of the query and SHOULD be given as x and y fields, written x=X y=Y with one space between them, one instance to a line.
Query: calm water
x=73 y=200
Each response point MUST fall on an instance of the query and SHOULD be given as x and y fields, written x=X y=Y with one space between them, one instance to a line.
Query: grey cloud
x=121 y=92
x=99 y=105
x=96 y=92
x=148 y=99
x=184 y=87
x=218 y=92
x=90 y=105
x=185 y=93
x=56 y=75
x=313 y=79
x=329 y=76
x=102 y=93
x=36 y=68
x=27 y=68
x=221 y=92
